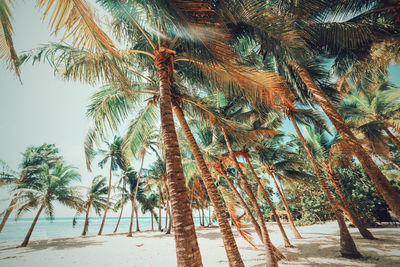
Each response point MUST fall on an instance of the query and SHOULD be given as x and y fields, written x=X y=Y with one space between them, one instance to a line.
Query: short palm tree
x=96 y=199
x=54 y=185
x=148 y=204
x=29 y=173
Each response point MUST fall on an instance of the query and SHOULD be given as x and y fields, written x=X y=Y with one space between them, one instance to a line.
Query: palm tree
x=95 y=199
x=148 y=204
x=347 y=245
x=131 y=192
x=324 y=151
x=114 y=154
x=53 y=186
x=66 y=16
x=371 y=112
x=29 y=174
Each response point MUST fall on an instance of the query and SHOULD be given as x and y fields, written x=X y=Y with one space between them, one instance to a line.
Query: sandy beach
x=319 y=247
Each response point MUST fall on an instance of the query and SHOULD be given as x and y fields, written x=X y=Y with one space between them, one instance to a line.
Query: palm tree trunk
x=347 y=246
x=187 y=248
x=119 y=219
x=108 y=199
x=285 y=204
x=152 y=223
x=85 y=226
x=198 y=210
x=391 y=136
x=137 y=221
x=159 y=208
x=191 y=197
x=203 y=217
x=8 y=212
x=122 y=208
x=266 y=197
x=28 y=235
x=131 y=223
x=209 y=216
x=230 y=245
x=269 y=251
x=388 y=192
x=243 y=204
x=277 y=254
x=353 y=215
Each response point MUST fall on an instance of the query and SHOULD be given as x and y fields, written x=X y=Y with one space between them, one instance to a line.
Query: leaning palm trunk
x=108 y=199
x=353 y=215
x=28 y=235
x=122 y=206
x=8 y=212
x=159 y=207
x=132 y=214
x=388 y=192
x=269 y=251
x=137 y=189
x=266 y=197
x=231 y=248
x=347 y=246
x=391 y=136
x=137 y=220
x=85 y=226
x=221 y=170
x=285 y=204
x=187 y=248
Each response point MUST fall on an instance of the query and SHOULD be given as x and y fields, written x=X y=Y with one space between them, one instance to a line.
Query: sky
x=46 y=109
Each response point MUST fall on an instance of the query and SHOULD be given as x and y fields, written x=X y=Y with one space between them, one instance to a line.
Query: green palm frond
x=7 y=50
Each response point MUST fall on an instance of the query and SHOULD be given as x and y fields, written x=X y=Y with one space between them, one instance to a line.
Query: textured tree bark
x=392 y=137
x=159 y=208
x=137 y=189
x=347 y=246
x=231 y=249
x=28 y=235
x=85 y=226
x=277 y=254
x=187 y=249
x=108 y=199
x=353 y=215
x=266 y=197
x=122 y=207
x=152 y=223
x=8 y=212
x=137 y=220
x=388 y=192
x=285 y=204
x=132 y=214
x=269 y=251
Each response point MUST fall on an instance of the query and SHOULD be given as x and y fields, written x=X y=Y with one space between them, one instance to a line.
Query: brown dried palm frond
x=198 y=187
x=231 y=204
x=78 y=21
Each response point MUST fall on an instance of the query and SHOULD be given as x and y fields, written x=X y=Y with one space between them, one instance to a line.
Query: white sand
x=318 y=248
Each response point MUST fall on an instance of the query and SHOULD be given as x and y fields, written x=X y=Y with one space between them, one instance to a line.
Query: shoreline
x=319 y=247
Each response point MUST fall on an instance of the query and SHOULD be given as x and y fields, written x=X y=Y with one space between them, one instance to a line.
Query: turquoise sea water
x=62 y=227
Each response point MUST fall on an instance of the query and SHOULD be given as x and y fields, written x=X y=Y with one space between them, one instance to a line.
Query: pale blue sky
x=45 y=108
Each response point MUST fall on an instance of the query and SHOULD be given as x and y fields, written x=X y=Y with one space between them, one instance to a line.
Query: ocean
x=62 y=227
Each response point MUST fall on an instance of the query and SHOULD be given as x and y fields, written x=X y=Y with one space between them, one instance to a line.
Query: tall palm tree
x=29 y=174
x=95 y=199
x=53 y=186
x=323 y=150
x=117 y=160
x=347 y=245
